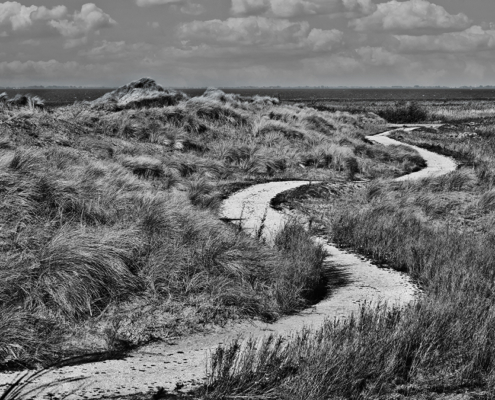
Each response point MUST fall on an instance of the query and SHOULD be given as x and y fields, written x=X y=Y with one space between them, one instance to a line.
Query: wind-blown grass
x=438 y=230
x=108 y=210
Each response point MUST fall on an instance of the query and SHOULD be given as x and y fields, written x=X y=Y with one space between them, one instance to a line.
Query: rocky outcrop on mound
x=144 y=92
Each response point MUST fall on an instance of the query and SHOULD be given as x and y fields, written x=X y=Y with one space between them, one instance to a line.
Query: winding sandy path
x=436 y=163
x=165 y=365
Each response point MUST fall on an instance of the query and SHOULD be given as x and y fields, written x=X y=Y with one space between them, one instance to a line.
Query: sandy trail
x=436 y=163
x=165 y=365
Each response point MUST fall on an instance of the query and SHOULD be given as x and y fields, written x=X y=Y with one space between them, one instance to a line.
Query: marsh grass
x=420 y=350
x=438 y=230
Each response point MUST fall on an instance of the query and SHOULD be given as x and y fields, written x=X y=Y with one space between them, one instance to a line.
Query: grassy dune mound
x=144 y=92
x=110 y=236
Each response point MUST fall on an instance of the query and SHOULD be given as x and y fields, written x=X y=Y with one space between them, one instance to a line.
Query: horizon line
x=258 y=87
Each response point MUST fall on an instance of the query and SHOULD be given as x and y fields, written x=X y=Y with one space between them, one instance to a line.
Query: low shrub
x=404 y=113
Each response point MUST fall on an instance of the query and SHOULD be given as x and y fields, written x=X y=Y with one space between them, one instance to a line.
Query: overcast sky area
x=190 y=43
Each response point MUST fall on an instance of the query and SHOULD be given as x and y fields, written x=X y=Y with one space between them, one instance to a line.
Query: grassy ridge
x=438 y=230
x=109 y=234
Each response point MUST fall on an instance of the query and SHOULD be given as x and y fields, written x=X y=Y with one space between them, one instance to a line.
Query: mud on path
x=183 y=364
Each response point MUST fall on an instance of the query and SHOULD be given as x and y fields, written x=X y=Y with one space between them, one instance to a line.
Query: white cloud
x=88 y=20
x=35 y=22
x=297 y=8
x=20 y=17
x=43 y=13
x=470 y=40
x=144 y=3
x=412 y=17
x=323 y=40
x=154 y=25
x=260 y=32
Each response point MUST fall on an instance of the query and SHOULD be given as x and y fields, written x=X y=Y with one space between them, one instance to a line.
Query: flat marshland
x=110 y=236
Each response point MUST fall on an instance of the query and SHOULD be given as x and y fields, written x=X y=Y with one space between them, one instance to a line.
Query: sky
x=199 y=43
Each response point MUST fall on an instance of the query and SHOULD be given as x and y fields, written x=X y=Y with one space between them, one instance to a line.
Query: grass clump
x=302 y=279
x=404 y=113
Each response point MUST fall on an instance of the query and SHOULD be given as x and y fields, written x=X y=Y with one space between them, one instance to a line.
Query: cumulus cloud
x=43 y=13
x=88 y=20
x=415 y=17
x=297 y=8
x=261 y=32
x=21 y=17
x=470 y=40
x=144 y=3
x=42 y=21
